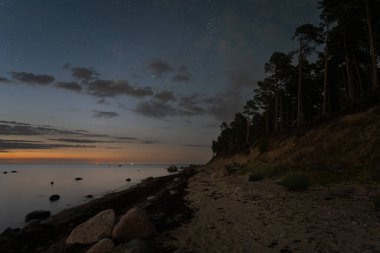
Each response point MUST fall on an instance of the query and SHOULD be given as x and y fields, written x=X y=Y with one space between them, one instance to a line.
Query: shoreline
x=166 y=211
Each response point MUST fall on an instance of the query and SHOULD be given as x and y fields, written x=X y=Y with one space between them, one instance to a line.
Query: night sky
x=132 y=81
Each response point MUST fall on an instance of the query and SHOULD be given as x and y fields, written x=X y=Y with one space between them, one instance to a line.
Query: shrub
x=296 y=182
x=376 y=202
x=263 y=146
x=255 y=177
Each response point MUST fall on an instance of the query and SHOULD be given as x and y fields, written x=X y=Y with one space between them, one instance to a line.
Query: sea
x=29 y=186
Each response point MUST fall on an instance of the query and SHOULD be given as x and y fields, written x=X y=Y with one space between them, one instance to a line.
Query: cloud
x=6 y=145
x=159 y=67
x=17 y=128
x=196 y=146
x=182 y=74
x=111 y=88
x=4 y=80
x=226 y=103
x=150 y=142
x=31 y=78
x=191 y=105
x=159 y=108
x=155 y=109
x=108 y=115
x=165 y=96
x=82 y=73
x=76 y=140
x=73 y=86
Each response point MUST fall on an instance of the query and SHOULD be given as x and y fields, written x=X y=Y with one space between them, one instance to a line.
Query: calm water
x=29 y=189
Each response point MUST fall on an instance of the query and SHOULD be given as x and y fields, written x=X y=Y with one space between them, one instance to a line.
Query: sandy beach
x=235 y=215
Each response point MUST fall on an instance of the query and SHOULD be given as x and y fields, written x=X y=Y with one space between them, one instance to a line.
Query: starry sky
x=143 y=81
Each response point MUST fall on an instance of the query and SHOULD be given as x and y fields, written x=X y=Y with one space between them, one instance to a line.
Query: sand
x=234 y=215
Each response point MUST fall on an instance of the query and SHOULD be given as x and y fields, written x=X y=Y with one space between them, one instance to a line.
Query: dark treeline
x=333 y=68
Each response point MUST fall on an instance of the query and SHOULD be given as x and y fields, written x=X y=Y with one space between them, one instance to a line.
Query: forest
x=333 y=69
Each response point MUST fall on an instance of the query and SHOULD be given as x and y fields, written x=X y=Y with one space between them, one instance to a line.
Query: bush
x=255 y=177
x=263 y=146
x=376 y=202
x=232 y=168
x=296 y=182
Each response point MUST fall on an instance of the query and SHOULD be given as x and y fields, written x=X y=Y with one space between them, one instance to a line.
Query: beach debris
x=89 y=196
x=78 y=178
x=96 y=228
x=172 y=169
x=222 y=172
x=105 y=245
x=173 y=192
x=128 y=180
x=37 y=215
x=135 y=224
x=134 y=246
x=54 y=197
x=150 y=198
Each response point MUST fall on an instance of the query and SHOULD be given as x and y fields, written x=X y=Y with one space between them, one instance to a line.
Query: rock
x=32 y=225
x=134 y=246
x=37 y=215
x=96 y=228
x=52 y=182
x=78 y=178
x=5 y=172
x=148 y=179
x=89 y=196
x=172 y=168
x=103 y=246
x=54 y=197
x=135 y=224
x=177 y=180
x=14 y=171
x=128 y=180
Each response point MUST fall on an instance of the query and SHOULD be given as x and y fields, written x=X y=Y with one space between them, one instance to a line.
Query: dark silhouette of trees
x=337 y=69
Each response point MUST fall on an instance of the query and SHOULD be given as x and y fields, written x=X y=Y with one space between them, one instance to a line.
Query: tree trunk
x=300 y=116
x=350 y=87
x=276 y=113
x=372 y=43
x=247 y=134
x=325 y=82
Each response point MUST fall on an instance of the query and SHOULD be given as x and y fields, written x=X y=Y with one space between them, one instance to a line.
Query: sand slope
x=234 y=215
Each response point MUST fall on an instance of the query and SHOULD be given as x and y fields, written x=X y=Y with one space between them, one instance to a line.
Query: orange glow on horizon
x=136 y=155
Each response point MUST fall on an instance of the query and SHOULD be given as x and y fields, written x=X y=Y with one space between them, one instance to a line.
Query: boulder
x=96 y=228
x=148 y=179
x=31 y=226
x=172 y=168
x=37 y=215
x=105 y=245
x=54 y=197
x=135 y=224
x=134 y=246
